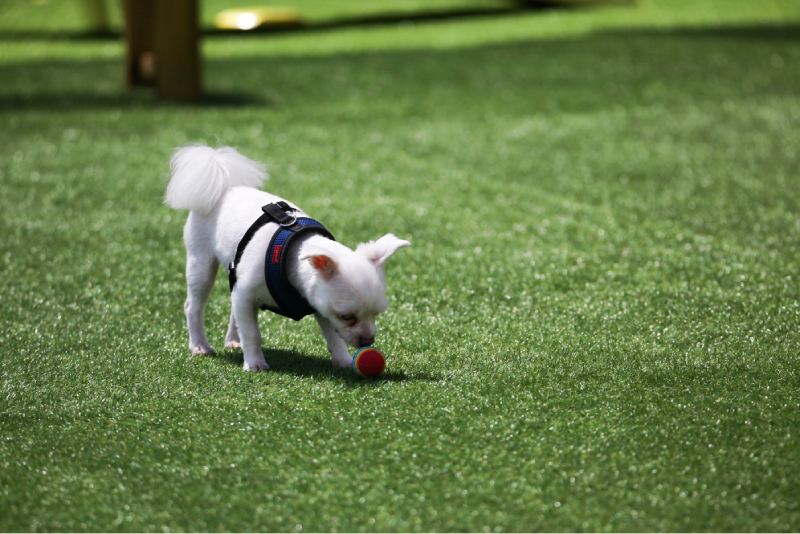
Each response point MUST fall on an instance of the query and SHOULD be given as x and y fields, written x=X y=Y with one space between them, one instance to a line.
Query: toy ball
x=368 y=361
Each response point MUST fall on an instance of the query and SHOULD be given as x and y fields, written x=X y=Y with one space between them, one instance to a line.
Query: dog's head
x=349 y=287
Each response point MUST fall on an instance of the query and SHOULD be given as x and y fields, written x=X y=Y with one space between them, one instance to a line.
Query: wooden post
x=177 y=49
x=139 y=37
x=162 y=47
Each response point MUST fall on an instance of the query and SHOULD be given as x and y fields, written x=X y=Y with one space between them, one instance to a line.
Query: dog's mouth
x=354 y=340
x=350 y=339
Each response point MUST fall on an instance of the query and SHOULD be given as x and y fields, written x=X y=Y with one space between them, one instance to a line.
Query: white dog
x=306 y=272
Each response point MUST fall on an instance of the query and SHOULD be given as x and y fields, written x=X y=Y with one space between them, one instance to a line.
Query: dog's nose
x=364 y=341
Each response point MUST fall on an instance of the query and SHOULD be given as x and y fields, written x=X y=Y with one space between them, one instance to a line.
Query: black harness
x=288 y=301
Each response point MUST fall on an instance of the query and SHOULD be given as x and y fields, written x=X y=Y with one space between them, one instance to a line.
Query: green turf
x=597 y=326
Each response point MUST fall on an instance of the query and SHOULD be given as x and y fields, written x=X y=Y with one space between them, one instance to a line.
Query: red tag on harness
x=276 y=254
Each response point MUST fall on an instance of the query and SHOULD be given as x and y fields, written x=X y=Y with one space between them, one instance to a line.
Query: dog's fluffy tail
x=201 y=175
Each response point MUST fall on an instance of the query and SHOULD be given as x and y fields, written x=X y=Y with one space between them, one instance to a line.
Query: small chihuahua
x=233 y=223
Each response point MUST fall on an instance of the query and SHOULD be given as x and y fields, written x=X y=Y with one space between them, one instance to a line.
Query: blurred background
x=186 y=31
x=595 y=329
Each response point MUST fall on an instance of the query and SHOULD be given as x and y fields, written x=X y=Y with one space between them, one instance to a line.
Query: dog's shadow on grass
x=299 y=364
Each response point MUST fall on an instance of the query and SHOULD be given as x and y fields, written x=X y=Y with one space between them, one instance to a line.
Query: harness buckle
x=279 y=214
x=232 y=274
x=289 y=221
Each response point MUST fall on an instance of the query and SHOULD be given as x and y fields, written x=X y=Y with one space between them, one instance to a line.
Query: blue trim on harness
x=288 y=301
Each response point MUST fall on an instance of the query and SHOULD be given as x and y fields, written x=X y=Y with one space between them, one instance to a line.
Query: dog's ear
x=323 y=264
x=382 y=249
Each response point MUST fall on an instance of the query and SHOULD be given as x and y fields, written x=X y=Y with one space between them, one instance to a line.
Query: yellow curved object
x=249 y=18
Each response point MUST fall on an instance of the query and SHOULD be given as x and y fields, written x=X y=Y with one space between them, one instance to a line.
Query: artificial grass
x=596 y=327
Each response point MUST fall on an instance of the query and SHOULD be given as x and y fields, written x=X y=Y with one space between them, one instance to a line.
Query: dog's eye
x=347 y=318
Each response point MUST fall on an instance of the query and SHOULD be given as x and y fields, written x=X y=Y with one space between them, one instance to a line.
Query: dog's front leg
x=246 y=316
x=336 y=345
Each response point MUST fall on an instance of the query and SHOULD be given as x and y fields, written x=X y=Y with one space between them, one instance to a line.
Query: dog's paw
x=201 y=349
x=233 y=345
x=342 y=362
x=256 y=366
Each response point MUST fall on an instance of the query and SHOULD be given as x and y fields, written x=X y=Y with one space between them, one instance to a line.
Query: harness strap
x=267 y=216
x=288 y=300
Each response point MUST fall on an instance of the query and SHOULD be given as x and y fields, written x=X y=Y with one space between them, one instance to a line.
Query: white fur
x=219 y=186
x=201 y=175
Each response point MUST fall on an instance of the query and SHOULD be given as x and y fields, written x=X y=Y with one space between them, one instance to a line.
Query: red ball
x=368 y=361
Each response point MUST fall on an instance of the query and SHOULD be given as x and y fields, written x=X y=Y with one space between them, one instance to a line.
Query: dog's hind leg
x=201 y=270
x=232 y=340
x=246 y=318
